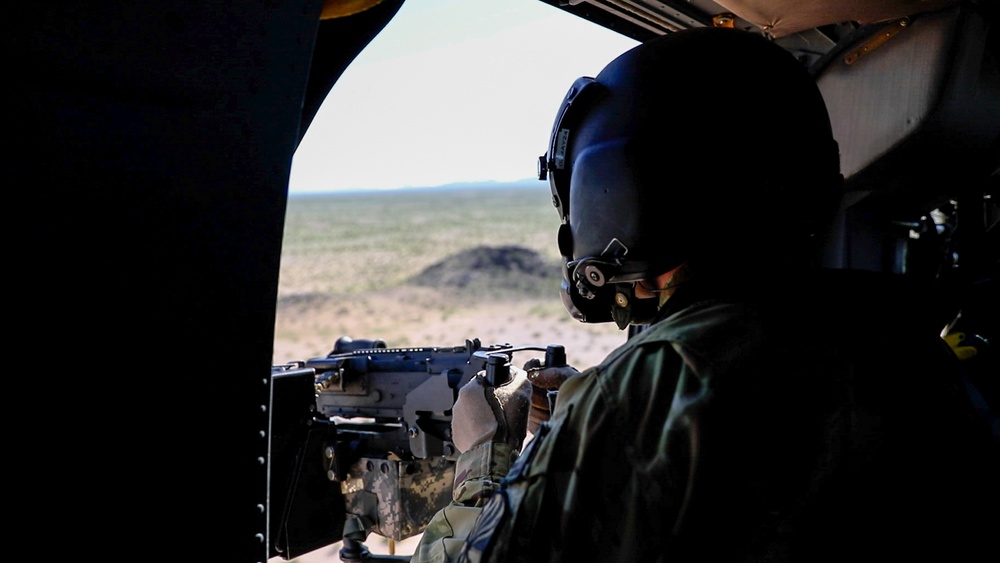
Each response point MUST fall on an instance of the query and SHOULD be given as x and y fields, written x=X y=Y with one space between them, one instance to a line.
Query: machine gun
x=360 y=440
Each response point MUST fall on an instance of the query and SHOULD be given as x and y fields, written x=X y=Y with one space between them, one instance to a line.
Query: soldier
x=695 y=176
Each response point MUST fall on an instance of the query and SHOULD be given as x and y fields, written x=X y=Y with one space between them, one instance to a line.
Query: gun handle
x=555 y=356
x=497 y=369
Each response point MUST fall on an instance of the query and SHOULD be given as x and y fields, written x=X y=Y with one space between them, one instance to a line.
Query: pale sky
x=450 y=91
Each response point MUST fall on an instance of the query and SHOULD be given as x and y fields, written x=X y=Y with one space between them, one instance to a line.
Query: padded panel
x=927 y=84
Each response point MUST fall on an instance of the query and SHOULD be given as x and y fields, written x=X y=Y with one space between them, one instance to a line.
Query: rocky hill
x=492 y=269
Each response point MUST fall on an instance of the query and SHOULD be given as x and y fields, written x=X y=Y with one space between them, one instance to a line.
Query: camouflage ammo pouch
x=508 y=527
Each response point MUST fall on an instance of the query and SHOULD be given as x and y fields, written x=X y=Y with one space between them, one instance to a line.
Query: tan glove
x=543 y=380
x=498 y=414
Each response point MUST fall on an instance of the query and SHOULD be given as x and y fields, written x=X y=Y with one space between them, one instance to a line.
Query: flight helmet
x=700 y=145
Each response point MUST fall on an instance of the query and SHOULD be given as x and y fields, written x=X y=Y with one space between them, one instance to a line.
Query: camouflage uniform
x=478 y=473
x=727 y=431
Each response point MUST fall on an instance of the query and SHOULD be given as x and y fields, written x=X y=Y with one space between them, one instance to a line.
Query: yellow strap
x=955 y=340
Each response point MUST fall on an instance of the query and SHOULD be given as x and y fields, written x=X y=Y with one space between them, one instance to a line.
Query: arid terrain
x=426 y=268
x=442 y=314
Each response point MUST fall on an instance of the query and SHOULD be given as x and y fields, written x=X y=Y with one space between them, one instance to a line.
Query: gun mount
x=363 y=436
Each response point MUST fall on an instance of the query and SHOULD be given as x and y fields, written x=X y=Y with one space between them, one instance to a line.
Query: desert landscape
x=426 y=267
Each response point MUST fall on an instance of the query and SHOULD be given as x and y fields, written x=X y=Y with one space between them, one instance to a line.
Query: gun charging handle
x=497 y=369
x=555 y=356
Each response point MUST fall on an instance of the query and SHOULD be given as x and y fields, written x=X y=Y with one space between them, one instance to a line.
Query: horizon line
x=473 y=184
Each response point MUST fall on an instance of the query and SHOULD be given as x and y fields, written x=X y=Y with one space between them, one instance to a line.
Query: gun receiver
x=365 y=433
x=406 y=391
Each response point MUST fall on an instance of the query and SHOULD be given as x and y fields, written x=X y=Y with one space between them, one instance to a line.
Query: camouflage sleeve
x=477 y=475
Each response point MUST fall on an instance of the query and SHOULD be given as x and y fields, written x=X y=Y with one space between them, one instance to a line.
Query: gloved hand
x=498 y=414
x=544 y=379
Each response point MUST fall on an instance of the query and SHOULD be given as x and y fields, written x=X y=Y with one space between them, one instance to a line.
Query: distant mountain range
x=532 y=183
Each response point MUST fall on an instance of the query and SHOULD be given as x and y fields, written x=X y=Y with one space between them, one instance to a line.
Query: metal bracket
x=877 y=41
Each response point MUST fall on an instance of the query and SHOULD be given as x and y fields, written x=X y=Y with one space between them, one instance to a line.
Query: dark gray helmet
x=698 y=145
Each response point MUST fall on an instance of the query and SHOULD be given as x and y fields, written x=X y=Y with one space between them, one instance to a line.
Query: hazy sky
x=450 y=91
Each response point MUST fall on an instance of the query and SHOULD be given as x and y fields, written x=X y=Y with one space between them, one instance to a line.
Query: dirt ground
x=418 y=316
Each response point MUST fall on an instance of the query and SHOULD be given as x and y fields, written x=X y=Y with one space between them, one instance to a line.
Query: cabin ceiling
x=810 y=29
